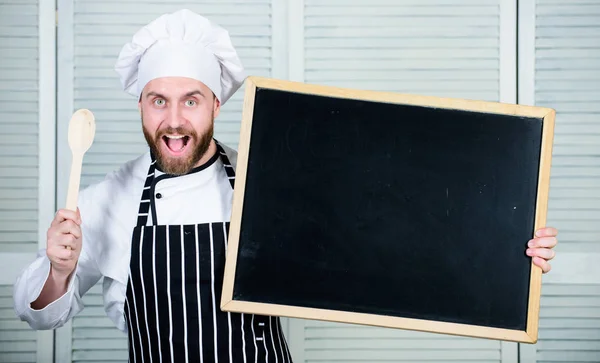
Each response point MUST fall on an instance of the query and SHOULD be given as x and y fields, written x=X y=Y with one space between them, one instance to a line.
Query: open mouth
x=176 y=143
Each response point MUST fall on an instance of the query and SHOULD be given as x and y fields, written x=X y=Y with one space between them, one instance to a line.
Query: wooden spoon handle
x=74 y=181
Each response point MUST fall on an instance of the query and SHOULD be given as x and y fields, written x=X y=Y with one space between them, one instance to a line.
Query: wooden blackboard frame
x=530 y=335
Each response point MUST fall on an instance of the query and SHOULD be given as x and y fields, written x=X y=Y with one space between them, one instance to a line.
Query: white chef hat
x=181 y=44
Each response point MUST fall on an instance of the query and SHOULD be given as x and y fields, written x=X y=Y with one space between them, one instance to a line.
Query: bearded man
x=156 y=229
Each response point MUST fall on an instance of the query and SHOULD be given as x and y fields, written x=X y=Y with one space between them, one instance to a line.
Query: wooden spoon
x=82 y=129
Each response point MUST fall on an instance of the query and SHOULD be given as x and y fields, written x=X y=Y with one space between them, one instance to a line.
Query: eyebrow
x=189 y=94
x=195 y=92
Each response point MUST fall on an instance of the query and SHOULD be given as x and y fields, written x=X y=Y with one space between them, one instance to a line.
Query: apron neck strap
x=226 y=164
x=144 y=208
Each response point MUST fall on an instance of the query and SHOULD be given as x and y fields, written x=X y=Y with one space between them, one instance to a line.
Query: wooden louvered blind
x=567 y=78
x=19 y=123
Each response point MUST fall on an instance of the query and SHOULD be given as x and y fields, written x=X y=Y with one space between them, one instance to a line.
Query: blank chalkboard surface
x=388 y=210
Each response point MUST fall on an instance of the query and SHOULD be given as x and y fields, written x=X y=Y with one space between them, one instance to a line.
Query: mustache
x=176 y=131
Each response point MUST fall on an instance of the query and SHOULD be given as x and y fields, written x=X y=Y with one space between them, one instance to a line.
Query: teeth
x=175 y=137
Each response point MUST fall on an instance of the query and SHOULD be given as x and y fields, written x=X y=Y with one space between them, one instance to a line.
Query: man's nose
x=175 y=118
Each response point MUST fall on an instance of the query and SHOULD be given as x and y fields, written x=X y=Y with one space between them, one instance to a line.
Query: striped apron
x=174 y=290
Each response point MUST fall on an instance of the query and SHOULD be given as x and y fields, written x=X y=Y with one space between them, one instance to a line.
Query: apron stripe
x=260 y=339
x=162 y=306
x=279 y=348
x=265 y=345
x=133 y=279
x=212 y=286
x=224 y=333
x=157 y=311
x=144 y=294
x=254 y=340
x=273 y=339
x=243 y=338
x=168 y=256
x=224 y=239
x=197 y=256
x=132 y=356
x=281 y=338
x=205 y=295
x=188 y=274
x=183 y=295
x=185 y=337
x=177 y=312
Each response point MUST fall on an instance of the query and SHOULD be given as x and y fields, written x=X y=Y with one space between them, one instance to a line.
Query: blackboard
x=389 y=210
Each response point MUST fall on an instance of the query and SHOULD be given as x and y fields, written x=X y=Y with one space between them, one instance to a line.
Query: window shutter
x=326 y=341
x=567 y=78
x=18 y=342
x=433 y=47
x=20 y=169
x=19 y=123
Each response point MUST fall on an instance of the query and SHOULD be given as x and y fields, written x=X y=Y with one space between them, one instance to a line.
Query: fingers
x=545 y=253
x=544 y=242
x=546 y=232
x=543 y=264
x=63 y=250
x=67 y=241
x=64 y=214
x=66 y=223
x=63 y=254
x=64 y=241
x=68 y=227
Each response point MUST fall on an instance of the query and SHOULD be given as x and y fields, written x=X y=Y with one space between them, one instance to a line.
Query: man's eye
x=159 y=102
x=190 y=103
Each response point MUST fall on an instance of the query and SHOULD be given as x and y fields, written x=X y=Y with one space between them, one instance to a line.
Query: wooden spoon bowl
x=82 y=129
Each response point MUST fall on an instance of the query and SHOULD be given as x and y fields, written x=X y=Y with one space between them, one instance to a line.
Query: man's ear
x=216 y=106
x=140 y=105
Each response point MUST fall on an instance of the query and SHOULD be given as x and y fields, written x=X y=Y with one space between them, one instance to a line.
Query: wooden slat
x=127 y=18
x=366 y=9
x=101 y=344
x=17 y=357
x=438 y=21
x=407 y=355
x=334 y=343
x=215 y=10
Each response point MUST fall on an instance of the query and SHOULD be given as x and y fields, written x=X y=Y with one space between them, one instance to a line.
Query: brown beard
x=179 y=166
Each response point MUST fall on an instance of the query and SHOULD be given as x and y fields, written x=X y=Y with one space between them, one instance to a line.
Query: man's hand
x=541 y=247
x=64 y=243
x=62 y=248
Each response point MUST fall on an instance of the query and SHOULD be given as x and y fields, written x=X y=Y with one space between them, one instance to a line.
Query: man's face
x=177 y=118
